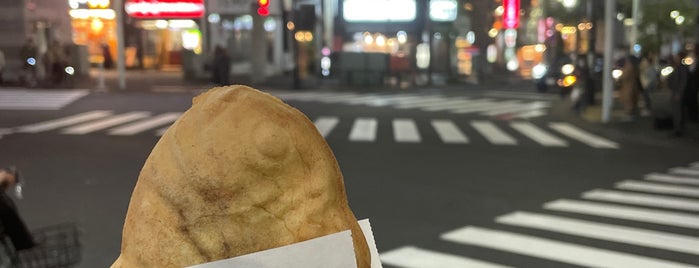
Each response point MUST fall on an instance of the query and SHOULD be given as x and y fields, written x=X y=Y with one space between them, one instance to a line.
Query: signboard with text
x=165 y=9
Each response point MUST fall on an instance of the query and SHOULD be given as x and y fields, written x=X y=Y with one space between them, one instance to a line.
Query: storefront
x=160 y=32
x=94 y=26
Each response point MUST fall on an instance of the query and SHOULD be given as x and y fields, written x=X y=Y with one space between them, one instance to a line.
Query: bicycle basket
x=57 y=246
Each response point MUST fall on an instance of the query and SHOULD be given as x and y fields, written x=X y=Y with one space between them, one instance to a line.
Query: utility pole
x=634 y=29
x=607 y=83
x=121 y=68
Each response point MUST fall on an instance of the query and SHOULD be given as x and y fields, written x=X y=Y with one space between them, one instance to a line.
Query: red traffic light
x=263 y=11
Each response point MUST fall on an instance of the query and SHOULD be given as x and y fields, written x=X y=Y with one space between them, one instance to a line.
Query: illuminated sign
x=84 y=14
x=443 y=10
x=379 y=10
x=157 y=9
x=510 y=15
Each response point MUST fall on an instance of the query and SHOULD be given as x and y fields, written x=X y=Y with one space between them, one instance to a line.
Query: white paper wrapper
x=334 y=250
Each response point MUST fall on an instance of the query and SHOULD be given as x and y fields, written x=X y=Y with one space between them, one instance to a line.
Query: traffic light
x=263 y=7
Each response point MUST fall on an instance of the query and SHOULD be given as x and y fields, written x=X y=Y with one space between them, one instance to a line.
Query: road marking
x=419 y=102
x=671 y=179
x=663 y=217
x=448 y=105
x=363 y=129
x=658 y=188
x=523 y=95
x=603 y=231
x=449 y=132
x=143 y=125
x=63 y=122
x=405 y=130
x=106 y=123
x=517 y=107
x=684 y=171
x=337 y=98
x=22 y=99
x=537 y=134
x=643 y=199
x=162 y=131
x=392 y=100
x=530 y=114
x=583 y=136
x=413 y=257
x=325 y=124
x=482 y=106
x=361 y=99
x=301 y=96
x=694 y=165
x=552 y=249
x=492 y=133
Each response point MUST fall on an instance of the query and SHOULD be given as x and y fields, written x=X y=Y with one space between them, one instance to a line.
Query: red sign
x=165 y=9
x=510 y=16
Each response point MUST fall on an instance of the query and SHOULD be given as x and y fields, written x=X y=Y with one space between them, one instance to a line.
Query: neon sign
x=160 y=9
x=510 y=15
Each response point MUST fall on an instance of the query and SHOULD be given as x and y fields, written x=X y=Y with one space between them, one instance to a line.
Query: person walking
x=14 y=235
x=630 y=87
x=690 y=97
x=677 y=82
x=221 y=66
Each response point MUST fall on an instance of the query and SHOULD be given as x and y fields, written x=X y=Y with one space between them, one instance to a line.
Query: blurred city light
x=70 y=70
x=666 y=71
x=674 y=14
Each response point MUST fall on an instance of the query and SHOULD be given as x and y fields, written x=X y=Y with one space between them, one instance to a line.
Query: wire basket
x=57 y=246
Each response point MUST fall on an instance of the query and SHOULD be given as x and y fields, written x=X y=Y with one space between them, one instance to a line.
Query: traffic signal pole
x=607 y=82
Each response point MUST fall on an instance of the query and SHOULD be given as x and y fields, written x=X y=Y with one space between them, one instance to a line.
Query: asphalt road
x=433 y=198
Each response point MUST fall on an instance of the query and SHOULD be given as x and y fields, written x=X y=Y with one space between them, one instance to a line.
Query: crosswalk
x=361 y=129
x=621 y=216
x=500 y=105
x=35 y=99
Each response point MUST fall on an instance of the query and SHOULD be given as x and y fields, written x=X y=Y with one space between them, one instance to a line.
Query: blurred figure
x=29 y=55
x=2 y=65
x=692 y=88
x=108 y=61
x=14 y=234
x=630 y=87
x=677 y=82
x=221 y=66
x=649 y=79
x=56 y=61
x=584 y=86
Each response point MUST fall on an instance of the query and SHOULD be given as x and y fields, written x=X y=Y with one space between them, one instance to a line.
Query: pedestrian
x=677 y=82
x=108 y=61
x=630 y=87
x=2 y=65
x=14 y=235
x=56 y=60
x=221 y=66
x=692 y=88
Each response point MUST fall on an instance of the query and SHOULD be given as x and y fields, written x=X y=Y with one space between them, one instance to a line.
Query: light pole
x=607 y=83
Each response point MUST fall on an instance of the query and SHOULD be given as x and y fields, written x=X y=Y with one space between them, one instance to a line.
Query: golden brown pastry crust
x=239 y=172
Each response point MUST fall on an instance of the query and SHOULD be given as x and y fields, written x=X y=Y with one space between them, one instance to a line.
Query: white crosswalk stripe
x=63 y=122
x=35 y=99
x=106 y=123
x=364 y=130
x=420 y=102
x=554 y=237
x=603 y=231
x=449 y=132
x=583 y=136
x=520 y=108
x=671 y=179
x=492 y=133
x=446 y=105
x=405 y=130
x=552 y=249
x=658 y=188
x=650 y=200
x=684 y=171
x=413 y=257
x=481 y=106
x=144 y=125
x=325 y=124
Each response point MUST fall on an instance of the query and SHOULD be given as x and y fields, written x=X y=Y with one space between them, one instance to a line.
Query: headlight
x=539 y=71
x=567 y=69
x=666 y=71
x=616 y=73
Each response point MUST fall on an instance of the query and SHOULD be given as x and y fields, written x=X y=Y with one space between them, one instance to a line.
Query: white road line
x=492 y=133
x=520 y=107
x=449 y=132
x=363 y=129
x=361 y=99
x=143 y=125
x=325 y=124
x=447 y=105
x=392 y=100
x=63 y=122
x=337 y=97
x=426 y=101
x=537 y=134
x=294 y=96
x=483 y=106
x=650 y=200
x=685 y=220
x=530 y=114
x=413 y=257
x=658 y=188
x=162 y=131
x=106 y=123
x=583 y=136
x=694 y=165
x=671 y=179
x=603 y=231
x=684 y=171
x=552 y=249
x=405 y=130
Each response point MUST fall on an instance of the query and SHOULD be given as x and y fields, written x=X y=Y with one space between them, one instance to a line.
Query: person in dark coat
x=14 y=234
x=677 y=82
x=221 y=66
